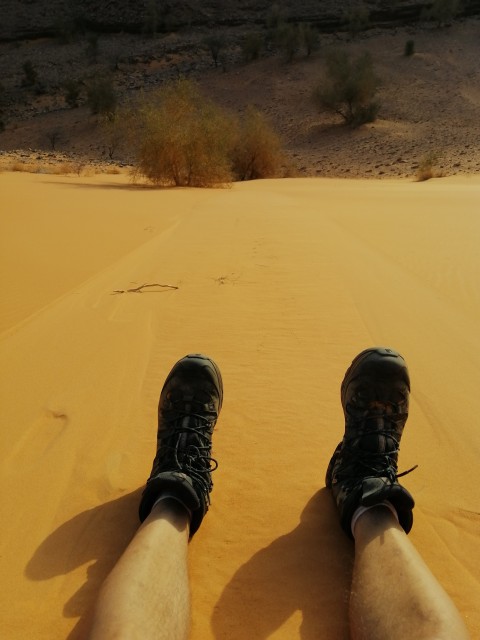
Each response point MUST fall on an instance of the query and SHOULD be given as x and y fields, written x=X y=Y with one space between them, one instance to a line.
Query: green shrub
x=409 y=48
x=185 y=139
x=287 y=40
x=349 y=88
x=257 y=152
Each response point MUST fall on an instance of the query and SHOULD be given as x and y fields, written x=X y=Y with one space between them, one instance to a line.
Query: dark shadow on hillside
x=100 y=534
x=306 y=570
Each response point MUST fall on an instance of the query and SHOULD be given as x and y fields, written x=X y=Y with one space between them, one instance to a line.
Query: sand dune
x=282 y=282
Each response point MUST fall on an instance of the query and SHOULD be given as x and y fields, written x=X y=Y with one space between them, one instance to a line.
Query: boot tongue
x=376 y=436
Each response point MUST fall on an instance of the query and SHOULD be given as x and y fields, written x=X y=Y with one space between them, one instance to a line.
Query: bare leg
x=147 y=593
x=394 y=594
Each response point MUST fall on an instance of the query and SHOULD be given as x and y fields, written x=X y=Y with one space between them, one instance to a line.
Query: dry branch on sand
x=142 y=287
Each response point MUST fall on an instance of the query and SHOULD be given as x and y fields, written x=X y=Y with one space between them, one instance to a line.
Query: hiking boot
x=363 y=468
x=188 y=409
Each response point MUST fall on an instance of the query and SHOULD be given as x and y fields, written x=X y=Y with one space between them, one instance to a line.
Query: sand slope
x=282 y=282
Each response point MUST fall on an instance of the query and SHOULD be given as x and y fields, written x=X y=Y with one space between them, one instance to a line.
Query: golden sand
x=282 y=283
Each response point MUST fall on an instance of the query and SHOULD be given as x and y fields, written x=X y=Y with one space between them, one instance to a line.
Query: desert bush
x=357 y=20
x=251 y=46
x=409 y=48
x=349 y=88
x=29 y=74
x=257 y=152
x=101 y=95
x=309 y=38
x=215 y=43
x=426 y=166
x=186 y=139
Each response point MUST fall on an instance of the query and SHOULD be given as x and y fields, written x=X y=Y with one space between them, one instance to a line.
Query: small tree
x=30 y=74
x=185 y=139
x=72 y=92
x=53 y=136
x=101 y=95
x=215 y=43
x=349 y=88
x=257 y=152
x=120 y=129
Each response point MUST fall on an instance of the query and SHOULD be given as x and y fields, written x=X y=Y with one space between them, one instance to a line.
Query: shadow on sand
x=307 y=570
x=100 y=534
x=109 y=185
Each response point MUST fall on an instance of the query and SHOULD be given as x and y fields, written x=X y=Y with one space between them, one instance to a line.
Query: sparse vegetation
x=119 y=129
x=287 y=39
x=215 y=43
x=71 y=92
x=409 y=48
x=276 y=15
x=53 y=137
x=29 y=74
x=357 y=20
x=187 y=140
x=258 y=152
x=101 y=95
x=309 y=38
x=252 y=45
x=349 y=88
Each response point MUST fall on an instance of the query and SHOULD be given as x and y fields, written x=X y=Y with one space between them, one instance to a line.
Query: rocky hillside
x=38 y=18
x=429 y=101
